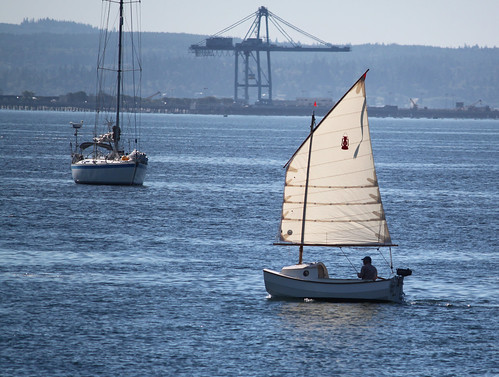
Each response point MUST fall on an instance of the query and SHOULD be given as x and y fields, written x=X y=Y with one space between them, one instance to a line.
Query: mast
x=312 y=124
x=118 y=97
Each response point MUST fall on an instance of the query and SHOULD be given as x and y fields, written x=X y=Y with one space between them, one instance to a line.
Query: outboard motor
x=404 y=272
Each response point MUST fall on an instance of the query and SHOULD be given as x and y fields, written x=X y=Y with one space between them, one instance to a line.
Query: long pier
x=214 y=106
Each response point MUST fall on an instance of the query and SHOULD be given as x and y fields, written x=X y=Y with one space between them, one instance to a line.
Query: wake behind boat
x=332 y=199
x=104 y=160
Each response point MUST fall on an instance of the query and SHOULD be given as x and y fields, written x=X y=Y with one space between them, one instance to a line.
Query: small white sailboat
x=331 y=199
x=104 y=160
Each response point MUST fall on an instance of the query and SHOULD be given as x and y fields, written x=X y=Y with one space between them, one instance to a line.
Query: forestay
x=343 y=203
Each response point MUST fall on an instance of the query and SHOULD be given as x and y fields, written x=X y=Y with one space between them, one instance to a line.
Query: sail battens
x=334 y=187
x=334 y=221
x=332 y=204
x=337 y=244
x=336 y=169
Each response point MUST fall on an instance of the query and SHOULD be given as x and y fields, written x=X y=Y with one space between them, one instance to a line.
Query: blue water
x=165 y=279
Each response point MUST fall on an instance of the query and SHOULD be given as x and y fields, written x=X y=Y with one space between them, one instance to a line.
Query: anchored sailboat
x=332 y=199
x=104 y=160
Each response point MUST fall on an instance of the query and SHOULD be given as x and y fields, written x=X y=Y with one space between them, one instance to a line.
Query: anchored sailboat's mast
x=118 y=97
x=312 y=124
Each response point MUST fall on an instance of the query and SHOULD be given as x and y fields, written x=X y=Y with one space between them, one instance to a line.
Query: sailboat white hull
x=279 y=285
x=102 y=172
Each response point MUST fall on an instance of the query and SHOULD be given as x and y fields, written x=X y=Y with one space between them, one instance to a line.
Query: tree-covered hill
x=51 y=58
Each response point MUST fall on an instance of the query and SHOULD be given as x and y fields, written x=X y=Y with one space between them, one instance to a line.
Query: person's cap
x=367 y=259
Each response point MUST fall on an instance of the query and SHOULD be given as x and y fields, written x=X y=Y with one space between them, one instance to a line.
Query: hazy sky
x=446 y=23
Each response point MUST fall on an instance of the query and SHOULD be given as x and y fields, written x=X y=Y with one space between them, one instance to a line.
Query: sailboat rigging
x=332 y=199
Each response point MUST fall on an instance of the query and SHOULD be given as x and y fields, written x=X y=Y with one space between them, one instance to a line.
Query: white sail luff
x=343 y=201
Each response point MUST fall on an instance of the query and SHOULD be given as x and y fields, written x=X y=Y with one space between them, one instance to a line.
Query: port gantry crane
x=255 y=43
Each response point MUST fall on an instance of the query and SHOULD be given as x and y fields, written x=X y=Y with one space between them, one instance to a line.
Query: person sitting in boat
x=368 y=271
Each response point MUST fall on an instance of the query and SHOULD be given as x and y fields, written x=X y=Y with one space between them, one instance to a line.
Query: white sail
x=343 y=203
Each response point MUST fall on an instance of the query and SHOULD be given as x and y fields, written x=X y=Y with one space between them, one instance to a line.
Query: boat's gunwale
x=328 y=280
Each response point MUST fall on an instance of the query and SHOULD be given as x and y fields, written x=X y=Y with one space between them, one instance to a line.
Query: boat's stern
x=109 y=172
x=396 y=292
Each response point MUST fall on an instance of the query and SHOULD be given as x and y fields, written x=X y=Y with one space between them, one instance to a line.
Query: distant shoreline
x=374 y=112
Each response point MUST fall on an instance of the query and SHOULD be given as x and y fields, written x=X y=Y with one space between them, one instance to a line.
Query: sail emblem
x=345 y=143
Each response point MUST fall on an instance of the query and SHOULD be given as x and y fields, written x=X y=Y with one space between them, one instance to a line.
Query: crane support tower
x=254 y=52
